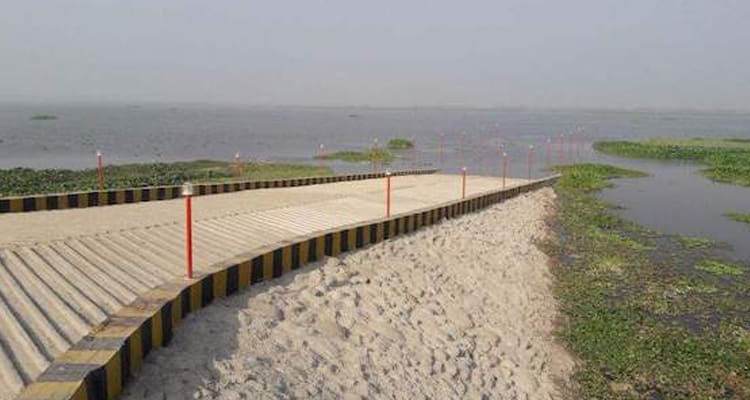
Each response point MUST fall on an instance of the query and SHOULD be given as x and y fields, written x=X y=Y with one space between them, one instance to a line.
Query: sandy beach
x=463 y=309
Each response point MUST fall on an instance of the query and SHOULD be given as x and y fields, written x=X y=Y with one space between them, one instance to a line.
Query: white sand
x=459 y=310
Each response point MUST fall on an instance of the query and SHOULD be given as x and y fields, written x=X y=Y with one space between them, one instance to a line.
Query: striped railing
x=62 y=201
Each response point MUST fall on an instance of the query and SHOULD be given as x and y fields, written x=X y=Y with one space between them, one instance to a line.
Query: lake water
x=677 y=199
x=674 y=200
x=127 y=133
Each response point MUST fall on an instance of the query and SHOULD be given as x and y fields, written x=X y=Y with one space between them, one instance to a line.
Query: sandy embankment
x=458 y=310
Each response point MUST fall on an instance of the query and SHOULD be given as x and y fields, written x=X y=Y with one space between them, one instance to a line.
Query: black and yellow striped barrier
x=156 y=193
x=99 y=365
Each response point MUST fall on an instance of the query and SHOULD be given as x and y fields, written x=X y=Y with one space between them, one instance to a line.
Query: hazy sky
x=553 y=53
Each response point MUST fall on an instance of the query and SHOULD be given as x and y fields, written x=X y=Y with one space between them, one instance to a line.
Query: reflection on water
x=676 y=199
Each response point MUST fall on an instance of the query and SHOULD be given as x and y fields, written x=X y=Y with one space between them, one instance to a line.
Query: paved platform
x=62 y=273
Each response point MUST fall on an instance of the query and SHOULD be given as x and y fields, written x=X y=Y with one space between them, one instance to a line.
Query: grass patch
x=372 y=155
x=644 y=321
x=728 y=160
x=691 y=242
x=719 y=268
x=739 y=217
x=687 y=286
x=25 y=181
x=43 y=117
x=400 y=144
x=591 y=177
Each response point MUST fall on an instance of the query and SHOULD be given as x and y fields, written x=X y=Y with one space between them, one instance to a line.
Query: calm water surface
x=128 y=133
x=676 y=199
x=673 y=200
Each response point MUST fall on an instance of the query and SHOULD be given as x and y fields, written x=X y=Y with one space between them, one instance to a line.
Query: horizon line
x=520 y=107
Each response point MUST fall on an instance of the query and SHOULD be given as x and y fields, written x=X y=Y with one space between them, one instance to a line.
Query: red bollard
x=463 y=183
x=100 y=170
x=531 y=159
x=187 y=192
x=387 y=194
x=505 y=167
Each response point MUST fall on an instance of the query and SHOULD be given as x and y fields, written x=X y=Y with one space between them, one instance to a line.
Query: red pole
x=549 y=154
x=463 y=183
x=531 y=159
x=187 y=191
x=505 y=167
x=560 y=149
x=387 y=194
x=100 y=170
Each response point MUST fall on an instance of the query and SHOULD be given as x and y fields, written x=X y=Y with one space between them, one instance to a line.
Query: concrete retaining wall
x=63 y=201
x=97 y=367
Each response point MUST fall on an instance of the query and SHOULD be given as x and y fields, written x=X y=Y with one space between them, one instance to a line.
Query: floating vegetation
x=719 y=268
x=372 y=155
x=728 y=160
x=590 y=177
x=645 y=321
x=25 y=181
x=43 y=117
x=691 y=242
x=739 y=217
x=400 y=144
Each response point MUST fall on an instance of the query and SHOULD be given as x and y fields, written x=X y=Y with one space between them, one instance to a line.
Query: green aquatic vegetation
x=728 y=160
x=642 y=320
x=719 y=268
x=26 y=181
x=43 y=117
x=685 y=286
x=608 y=264
x=591 y=177
x=739 y=217
x=372 y=155
x=400 y=144
x=691 y=242
x=597 y=233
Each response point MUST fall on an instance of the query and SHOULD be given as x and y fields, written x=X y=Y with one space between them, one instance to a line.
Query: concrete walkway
x=62 y=273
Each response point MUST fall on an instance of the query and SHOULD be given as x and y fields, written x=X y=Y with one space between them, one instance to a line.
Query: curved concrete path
x=62 y=273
